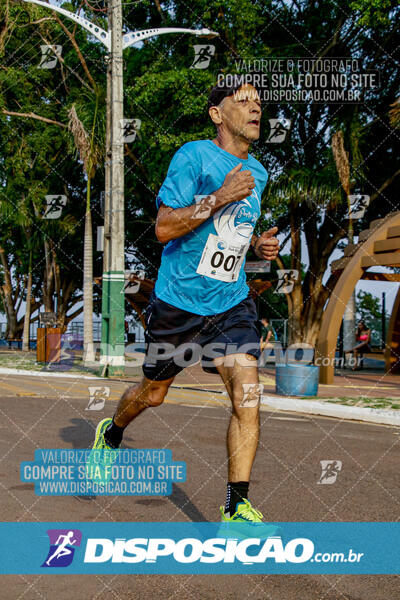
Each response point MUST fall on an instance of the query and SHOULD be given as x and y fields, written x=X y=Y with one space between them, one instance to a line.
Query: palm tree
x=90 y=155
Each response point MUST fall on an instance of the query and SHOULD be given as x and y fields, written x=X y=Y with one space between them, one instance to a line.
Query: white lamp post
x=113 y=298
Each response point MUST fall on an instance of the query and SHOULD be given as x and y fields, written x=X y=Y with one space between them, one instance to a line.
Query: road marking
x=268 y=380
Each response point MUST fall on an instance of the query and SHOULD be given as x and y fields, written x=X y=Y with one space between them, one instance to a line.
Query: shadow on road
x=185 y=505
x=80 y=434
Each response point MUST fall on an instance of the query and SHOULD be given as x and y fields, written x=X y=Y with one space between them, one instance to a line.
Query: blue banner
x=191 y=548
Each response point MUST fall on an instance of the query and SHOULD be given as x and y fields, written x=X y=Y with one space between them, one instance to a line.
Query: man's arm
x=174 y=223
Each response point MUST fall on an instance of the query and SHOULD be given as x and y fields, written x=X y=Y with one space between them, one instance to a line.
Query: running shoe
x=245 y=522
x=245 y=513
x=102 y=456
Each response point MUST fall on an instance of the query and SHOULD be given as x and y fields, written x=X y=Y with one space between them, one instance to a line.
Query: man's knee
x=155 y=393
x=246 y=401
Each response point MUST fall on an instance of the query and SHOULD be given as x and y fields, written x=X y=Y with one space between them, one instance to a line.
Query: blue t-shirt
x=203 y=271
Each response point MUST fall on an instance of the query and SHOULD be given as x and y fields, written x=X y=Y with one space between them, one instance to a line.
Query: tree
x=368 y=306
x=90 y=155
x=303 y=197
x=34 y=147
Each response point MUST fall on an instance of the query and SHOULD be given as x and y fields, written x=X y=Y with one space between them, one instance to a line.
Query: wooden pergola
x=377 y=246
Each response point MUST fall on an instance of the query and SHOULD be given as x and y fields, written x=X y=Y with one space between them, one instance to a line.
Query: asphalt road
x=284 y=487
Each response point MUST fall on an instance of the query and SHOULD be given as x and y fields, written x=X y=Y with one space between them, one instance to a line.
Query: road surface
x=193 y=424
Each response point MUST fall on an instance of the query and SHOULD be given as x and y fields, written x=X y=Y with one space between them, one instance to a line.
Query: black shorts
x=177 y=338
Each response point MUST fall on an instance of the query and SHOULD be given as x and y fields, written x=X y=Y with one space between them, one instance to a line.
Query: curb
x=314 y=407
x=6 y=371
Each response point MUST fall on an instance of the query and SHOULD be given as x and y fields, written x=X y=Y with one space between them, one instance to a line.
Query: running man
x=62 y=549
x=208 y=206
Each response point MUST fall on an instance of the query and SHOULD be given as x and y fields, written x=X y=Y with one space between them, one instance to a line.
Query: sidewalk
x=361 y=395
x=353 y=395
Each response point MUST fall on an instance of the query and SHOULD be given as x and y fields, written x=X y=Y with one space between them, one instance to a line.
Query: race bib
x=222 y=260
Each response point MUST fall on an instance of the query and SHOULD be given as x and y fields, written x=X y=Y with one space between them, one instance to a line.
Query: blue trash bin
x=296 y=380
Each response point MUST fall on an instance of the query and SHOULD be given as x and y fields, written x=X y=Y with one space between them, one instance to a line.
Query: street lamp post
x=113 y=297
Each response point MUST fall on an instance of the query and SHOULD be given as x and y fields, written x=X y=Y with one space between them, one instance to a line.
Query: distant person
x=268 y=333
x=363 y=338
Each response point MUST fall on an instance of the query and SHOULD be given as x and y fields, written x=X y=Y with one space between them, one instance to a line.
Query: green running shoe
x=102 y=456
x=245 y=513
x=245 y=522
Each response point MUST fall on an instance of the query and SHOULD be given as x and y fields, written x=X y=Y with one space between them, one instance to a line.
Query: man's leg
x=136 y=398
x=134 y=401
x=244 y=426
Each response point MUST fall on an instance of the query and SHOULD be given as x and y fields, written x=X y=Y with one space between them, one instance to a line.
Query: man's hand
x=237 y=186
x=267 y=246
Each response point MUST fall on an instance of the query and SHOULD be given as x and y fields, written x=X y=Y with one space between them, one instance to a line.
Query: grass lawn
x=16 y=359
x=364 y=401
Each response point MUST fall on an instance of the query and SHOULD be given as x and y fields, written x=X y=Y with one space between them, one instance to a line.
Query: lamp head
x=206 y=33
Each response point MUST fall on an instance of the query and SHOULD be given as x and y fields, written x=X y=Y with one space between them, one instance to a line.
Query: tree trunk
x=8 y=297
x=295 y=304
x=27 y=318
x=88 y=347
x=48 y=282
x=65 y=293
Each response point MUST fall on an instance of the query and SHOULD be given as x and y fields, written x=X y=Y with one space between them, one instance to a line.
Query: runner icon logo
x=49 y=57
x=97 y=397
x=62 y=547
x=251 y=394
x=330 y=470
x=203 y=55
x=278 y=131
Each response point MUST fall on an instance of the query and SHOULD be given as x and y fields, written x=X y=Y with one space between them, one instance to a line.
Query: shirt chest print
x=235 y=222
x=224 y=254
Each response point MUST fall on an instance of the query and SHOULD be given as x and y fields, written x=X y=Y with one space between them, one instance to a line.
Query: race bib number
x=222 y=260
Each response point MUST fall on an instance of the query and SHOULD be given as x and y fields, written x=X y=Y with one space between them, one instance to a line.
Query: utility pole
x=112 y=350
x=113 y=301
x=105 y=296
